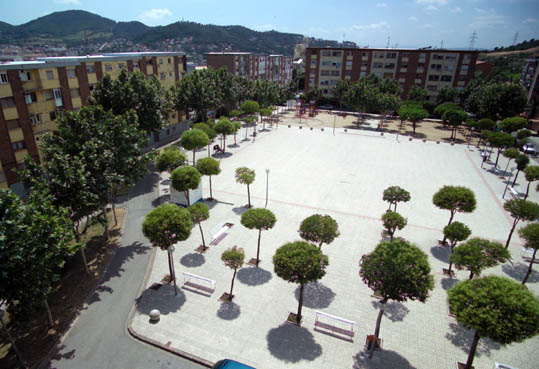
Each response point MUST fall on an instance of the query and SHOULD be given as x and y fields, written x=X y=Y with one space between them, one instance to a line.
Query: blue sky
x=408 y=23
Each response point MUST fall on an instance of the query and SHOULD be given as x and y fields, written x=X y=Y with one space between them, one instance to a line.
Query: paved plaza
x=342 y=175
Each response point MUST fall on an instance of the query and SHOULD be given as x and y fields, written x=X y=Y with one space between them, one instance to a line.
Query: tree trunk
x=450 y=262
x=529 y=268
x=187 y=197
x=248 y=197
x=320 y=245
x=471 y=276
x=413 y=125
x=507 y=166
x=511 y=232
x=84 y=262
x=246 y=131
x=377 y=329
x=235 y=142
x=209 y=150
x=389 y=208
x=448 y=223
x=391 y=235
x=114 y=208
x=224 y=143
x=106 y=222
x=232 y=284
x=471 y=355
x=194 y=151
x=396 y=202
x=527 y=190
x=497 y=157
x=49 y=313
x=170 y=261
x=258 y=248
x=211 y=193
x=515 y=180
x=201 y=234
x=300 y=305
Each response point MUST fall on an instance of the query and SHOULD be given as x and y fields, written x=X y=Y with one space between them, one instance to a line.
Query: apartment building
x=33 y=94
x=530 y=81
x=429 y=69
x=276 y=68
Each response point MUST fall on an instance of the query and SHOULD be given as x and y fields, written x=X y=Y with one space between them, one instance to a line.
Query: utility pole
x=473 y=38
x=515 y=38
x=442 y=44
x=387 y=45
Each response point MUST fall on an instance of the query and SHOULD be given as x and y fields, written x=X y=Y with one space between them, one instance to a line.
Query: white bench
x=219 y=232
x=527 y=254
x=198 y=282
x=514 y=193
x=322 y=325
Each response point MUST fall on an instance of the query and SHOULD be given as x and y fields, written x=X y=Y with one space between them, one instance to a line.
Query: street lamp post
x=267 y=185
x=11 y=338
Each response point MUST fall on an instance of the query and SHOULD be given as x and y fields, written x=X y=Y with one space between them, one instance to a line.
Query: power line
x=473 y=38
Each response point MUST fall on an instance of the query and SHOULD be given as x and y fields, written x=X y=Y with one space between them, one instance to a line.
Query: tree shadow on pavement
x=316 y=295
x=381 y=359
x=518 y=271
x=447 y=283
x=239 y=210
x=462 y=338
x=228 y=311
x=394 y=311
x=441 y=253
x=115 y=270
x=163 y=299
x=291 y=343
x=253 y=276
x=160 y=200
x=193 y=260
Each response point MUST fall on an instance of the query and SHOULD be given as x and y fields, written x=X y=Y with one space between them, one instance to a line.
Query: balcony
x=16 y=135
x=20 y=155
x=420 y=70
x=10 y=113
x=5 y=90
x=418 y=80
x=404 y=70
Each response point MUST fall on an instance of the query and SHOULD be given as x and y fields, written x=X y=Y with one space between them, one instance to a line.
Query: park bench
x=197 y=282
x=327 y=323
x=514 y=193
x=219 y=232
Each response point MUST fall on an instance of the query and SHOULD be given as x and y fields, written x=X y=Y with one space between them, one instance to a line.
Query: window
x=434 y=78
x=108 y=67
x=30 y=98
x=92 y=87
x=336 y=53
x=405 y=55
x=90 y=68
x=160 y=61
x=464 y=68
x=422 y=56
x=349 y=64
x=71 y=73
x=421 y=65
x=364 y=64
x=18 y=145
x=338 y=65
x=347 y=72
x=389 y=66
x=324 y=82
x=404 y=65
x=365 y=55
x=362 y=74
x=324 y=72
x=75 y=92
x=3 y=78
x=169 y=61
x=7 y=102
x=379 y=55
x=378 y=65
x=462 y=78
x=450 y=57
x=349 y=53
x=446 y=78
x=35 y=119
x=436 y=66
x=135 y=66
x=432 y=87
x=121 y=66
x=12 y=123
x=25 y=76
x=391 y=55
x=313 y=63
x=437 y=57
x=326 y=53
x=449 y=68
x=170 y=75
x=311 y=82
x=162 y=76
x=326 y=63
x=335 y=73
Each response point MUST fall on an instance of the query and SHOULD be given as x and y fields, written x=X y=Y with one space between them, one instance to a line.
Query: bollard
x=155 y=315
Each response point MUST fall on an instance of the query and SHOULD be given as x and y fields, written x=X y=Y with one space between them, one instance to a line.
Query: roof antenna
x=387 y=45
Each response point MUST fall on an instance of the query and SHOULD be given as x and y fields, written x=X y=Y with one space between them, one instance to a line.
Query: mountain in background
x=86 y=32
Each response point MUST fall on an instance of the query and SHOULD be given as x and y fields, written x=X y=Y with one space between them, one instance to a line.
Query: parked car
x=230 y=364
x=326 y=107
x=529 y=149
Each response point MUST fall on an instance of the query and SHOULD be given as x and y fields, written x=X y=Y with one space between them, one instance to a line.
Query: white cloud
x=412 y=18
x=155 y=14
x=489 y=20
x=370 y=27
x=456 y=9
x=381 y=5
x=428 y=25
x=431 y=8
x=529 y=20
x=67 y=2
x=437 y=2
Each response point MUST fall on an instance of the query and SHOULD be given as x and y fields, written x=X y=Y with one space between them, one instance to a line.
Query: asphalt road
x=99 y=338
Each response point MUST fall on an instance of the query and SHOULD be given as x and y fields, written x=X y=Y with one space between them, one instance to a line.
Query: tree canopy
x=194 y=139
x=478 y=254
x=169 y=159
x=395 y=194
x=260 y=219
x=530 y=234
x=513 y=124
x=166 y=225
x=319 y=229
x=520 y=210
x=455 y=199
x=185 y=179
x=393 y=221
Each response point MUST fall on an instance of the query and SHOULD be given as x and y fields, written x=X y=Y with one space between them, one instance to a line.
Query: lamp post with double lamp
x=170 y=250
x=267 y=185
x=11 y=339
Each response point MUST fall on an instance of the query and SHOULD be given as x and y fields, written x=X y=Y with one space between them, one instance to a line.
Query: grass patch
x=33 y=337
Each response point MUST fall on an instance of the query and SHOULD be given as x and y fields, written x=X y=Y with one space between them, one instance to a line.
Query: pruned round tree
x=520 y=210
x=236 y=126
x=478 y=254
x=522 y=162
x=209 y=131
x=245 y=176
x=194 y=139
x=250 y=107
x=319 y=229
x=530 y=234
x=456 y=199
x=300 y=262
x=415 y=116
x=233 y=258
x=510 y=125
x=185 y=179
x=166 y=225
x=510 y=154
x=395 y=194
x=234 y=114
x=532 y=175
x=169 y=159
x=224 y=127
x=199 y=213
x=397 y=271
x=208 y=167
x=455 y=232
x=500 y=141
x=496 y=308
x=393 y=221
x=260 y=219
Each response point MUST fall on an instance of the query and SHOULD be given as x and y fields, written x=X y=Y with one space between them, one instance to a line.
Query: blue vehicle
x=230 y=364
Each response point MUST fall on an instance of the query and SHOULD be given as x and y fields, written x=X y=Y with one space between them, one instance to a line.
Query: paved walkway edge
x=151 y=341
x=43 y=364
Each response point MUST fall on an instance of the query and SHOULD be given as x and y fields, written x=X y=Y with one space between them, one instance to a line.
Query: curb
x=54 y=350
x=153 y=342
